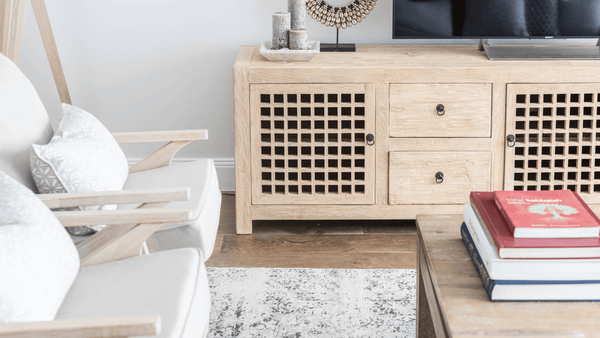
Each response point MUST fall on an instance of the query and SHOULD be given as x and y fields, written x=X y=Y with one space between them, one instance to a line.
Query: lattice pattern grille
x=311 y=144
x=557 y=137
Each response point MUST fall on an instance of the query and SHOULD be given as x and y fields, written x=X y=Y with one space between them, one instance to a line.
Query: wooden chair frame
x=127 y=230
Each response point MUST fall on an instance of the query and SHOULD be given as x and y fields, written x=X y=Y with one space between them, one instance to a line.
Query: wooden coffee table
x=451 y=301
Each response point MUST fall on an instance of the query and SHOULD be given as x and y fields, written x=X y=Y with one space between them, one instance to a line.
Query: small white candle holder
x=298 y=39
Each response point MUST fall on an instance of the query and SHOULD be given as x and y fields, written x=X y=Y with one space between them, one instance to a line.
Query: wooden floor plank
x=314 y=244
x=317 y=261
x=263 y=244
x=302 y=227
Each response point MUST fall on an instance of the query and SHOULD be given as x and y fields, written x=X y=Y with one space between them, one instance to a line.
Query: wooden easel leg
x=43 y=21
x=14 y=43
x=4 y=24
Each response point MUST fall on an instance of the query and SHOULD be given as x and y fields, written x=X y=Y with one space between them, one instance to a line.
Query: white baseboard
x=224 y=166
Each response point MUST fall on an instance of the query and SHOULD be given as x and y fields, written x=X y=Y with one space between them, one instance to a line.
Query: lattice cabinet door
x=309 y=143
x=553 y=138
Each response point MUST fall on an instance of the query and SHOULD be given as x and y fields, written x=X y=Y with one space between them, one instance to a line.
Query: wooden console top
x=410 y=56
x=443 y=63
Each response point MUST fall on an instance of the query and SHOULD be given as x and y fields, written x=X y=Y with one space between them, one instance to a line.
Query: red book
x=510 y=247
x=547 y=214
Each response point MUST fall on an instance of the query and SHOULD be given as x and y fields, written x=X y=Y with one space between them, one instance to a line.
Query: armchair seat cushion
x=205 y=202
x=172 y=284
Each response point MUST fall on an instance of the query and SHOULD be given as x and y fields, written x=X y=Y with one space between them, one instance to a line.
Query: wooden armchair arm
x=70 y=200
x=117 y=217
x=117 y=327
x=161 y=136
x=126 y=230
x=162 y=157
x=118 y=242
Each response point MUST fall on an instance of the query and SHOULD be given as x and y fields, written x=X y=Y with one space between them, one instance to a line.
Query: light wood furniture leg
x=424 y=324
x=14 y=44
x=41 y=16
x=241 y=102
x=4 y=24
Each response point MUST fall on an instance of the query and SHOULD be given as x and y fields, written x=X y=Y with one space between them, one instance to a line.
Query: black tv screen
x=422 y=19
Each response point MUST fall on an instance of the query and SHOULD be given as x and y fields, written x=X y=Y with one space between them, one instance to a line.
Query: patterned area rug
x=312 y=303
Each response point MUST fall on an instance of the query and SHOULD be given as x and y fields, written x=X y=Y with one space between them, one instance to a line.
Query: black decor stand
x=337 y=46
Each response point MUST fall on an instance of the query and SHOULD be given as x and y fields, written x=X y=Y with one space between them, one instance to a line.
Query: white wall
x=166 y=64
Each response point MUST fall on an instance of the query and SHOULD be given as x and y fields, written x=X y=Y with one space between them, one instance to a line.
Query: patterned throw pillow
x=38 y=260
x=82 y=156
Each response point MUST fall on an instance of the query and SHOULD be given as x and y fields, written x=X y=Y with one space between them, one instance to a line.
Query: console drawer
x=467 y=110
x=412 y=177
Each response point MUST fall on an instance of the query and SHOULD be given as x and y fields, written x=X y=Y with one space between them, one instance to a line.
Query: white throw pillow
x=38 y=260
x=82 y=156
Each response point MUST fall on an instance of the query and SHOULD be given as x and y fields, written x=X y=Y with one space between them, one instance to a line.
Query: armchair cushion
x=205 y=201
x=172 y=284
x=38 y=260
x=82 y=156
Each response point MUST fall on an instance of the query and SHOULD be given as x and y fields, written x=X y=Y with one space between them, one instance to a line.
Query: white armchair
x=163 y=294
x=25 y=122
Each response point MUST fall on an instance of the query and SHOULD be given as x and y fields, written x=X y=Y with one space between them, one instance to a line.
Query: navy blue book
x=529 y=291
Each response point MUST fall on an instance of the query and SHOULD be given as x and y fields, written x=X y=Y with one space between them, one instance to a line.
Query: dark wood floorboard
x=314 y=244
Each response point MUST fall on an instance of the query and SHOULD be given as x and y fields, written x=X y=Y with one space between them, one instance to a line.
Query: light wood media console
x=390 y=132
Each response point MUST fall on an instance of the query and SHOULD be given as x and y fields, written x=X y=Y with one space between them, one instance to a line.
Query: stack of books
x=534 y=245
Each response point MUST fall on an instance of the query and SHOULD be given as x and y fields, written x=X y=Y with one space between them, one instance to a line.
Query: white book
x=526 y=269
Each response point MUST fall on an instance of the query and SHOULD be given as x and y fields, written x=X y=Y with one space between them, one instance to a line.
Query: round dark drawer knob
x=441 y=110
x=439 y=177
x=370 y=139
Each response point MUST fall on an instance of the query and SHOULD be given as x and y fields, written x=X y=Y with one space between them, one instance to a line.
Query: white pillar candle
x=281 y=28
x=298 y=39
x=297 y=9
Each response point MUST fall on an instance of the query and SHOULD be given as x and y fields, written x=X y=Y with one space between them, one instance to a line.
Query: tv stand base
x=544 y=52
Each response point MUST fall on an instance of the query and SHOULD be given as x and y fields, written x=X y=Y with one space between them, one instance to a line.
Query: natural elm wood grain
x=349 y=212
x=241 y=124
x=273 y=244
x=439 y=144
x=16 y=28
x=70 y=200
x=101 y=217
x=161 y=136
x=467 y=110
x=464 y=305
x=405 y=78
x=160 y=158
x=43 y=21
x=312 y=228
x=432 y=301
x=317 y=261
x=497 y=140
x=123 y=241
x=419 y=65
x=542 y=142
x=425 y=327
x=412 y=176
x=306 y=138
x=117 y=327
x=310 y=250
x=4 y=24
x=382 y=118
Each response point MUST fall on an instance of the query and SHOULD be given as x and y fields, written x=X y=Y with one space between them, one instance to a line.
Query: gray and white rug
x=312 y=303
